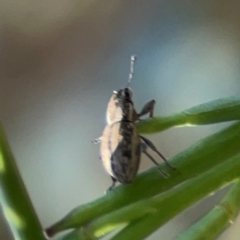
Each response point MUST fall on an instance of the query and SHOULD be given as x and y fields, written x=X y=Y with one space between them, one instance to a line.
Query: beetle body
x=121 y=145
x=121 y=150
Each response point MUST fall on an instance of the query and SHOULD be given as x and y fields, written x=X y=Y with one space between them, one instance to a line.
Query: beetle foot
x=97 y=140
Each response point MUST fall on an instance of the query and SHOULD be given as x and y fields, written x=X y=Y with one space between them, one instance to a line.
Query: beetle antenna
x=132 y=62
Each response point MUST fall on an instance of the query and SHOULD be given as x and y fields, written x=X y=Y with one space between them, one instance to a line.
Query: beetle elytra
x=121 y=145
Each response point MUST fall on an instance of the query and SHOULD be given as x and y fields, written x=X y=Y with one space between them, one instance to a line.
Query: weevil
x=121 y=145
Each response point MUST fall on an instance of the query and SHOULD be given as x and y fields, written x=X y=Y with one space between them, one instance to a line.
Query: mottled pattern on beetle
x=127 y=109
x=120 y=145
x=118 y=110
x=113 y=113
x=125 y=159
x=110 y=140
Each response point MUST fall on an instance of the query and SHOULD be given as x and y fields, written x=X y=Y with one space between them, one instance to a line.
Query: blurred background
x=61 y=60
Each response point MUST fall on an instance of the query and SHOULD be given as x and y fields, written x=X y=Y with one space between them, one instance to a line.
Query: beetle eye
x=126 y=92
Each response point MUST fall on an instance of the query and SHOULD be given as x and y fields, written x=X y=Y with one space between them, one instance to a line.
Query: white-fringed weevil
x=121 y=145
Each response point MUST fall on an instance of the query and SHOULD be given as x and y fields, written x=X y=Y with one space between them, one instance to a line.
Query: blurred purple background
x=61 y=60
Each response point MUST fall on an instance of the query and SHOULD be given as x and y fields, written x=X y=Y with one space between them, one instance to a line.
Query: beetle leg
x=135 y=116
x=97 y=140
x=144 y=150
x=113 y=184
x=147 y=108
x=151 y=145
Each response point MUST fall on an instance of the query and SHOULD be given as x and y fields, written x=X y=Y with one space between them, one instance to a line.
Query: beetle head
x=120 y=106
x=123 y=94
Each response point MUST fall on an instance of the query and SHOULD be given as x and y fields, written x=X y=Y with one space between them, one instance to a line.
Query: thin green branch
x=14 y=199
x=220 y=110
x=78 y=234
x=198 y=158
x=121 y=217
x=162 y=206
x=217 y=220
x=184 y=196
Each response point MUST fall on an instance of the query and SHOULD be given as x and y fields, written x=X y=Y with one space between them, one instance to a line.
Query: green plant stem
x=121 y=217
x=162 y=206
x=220 y=110
x=198 y=158
x=14 y=199
x=185 y=195
x=78 y=234
x=217 y=220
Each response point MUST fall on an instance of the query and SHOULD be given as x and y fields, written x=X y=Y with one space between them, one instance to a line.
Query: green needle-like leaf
x=200 y=157
x=171 y=203
x=217 y=220
x=220 y=110
x=147 y=215
x=14 y=199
